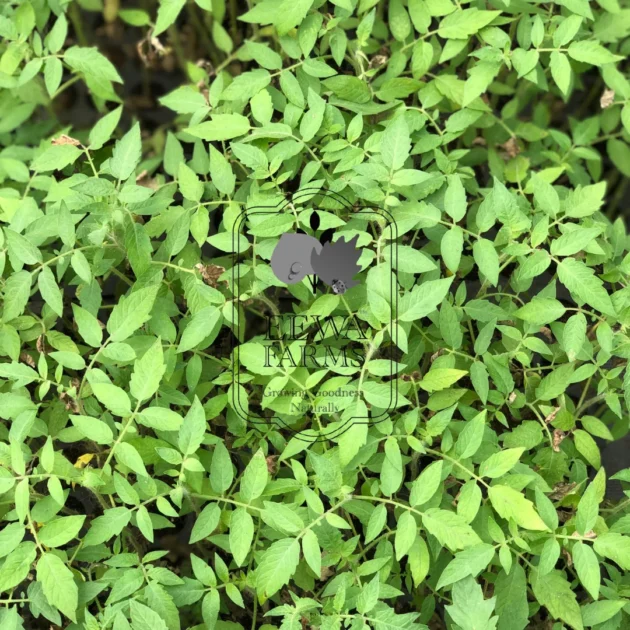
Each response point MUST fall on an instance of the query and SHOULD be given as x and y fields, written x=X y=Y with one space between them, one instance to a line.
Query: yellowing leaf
x=511 y=504
x=83 y=460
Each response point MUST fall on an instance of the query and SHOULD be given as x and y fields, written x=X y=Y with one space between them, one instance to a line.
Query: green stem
x=119 y=439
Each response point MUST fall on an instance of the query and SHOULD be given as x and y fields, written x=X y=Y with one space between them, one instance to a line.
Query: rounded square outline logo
x=278 y=208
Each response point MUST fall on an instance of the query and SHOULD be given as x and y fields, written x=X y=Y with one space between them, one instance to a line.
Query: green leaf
x=426 y=484
x=282 y=518
x=399 y=22
x=22 y=249
x=128 y=455
x=104 y=527
x=18 y=372
x=93 y=429
x=193 y=429
x=451 y=248
x=574 y=241
x=60 y=531
x=250 y=155
x=241 y=534
x=348 y=88
x=17 y=565
x=53 y=73
x=574 y=335
x=471 y=436
x=242 y=88
x=585 y=201
x=501 y=463
x=210 y=608
x=145 y=525
x=541 y=311
x=587 y=568
x=220 y=127
x=206 y=523
x=619 y=153
x=567 y=30
x=102 y=131
x=286 y=15
x=487 y=260
x=469 y=609
x=545 y=196
x=441 y=378
x=139 y=249
x=470 y=561
x=277 y=566
x=113 y=397
x=198 y=328
x=55 y=158
x=450 y=328
x=377 y=521
x=406 y=531
x=10 y=537
x=395 y=143
x=455 y=199
x=160 y=419
x=587 y=447
x=511 y=593
x=131 y=312
x=190 y=185
x=480 y=381
x=263 y=55
x=312 y=552
x=614 y=546
x=464 y=23
x=382 y=395
x=591 y=52
x=81 y=266
x=392 y=470
x=221 y=37
x=450 y=529
x=148 y=372
x=166 y=15
x=548 y=556
x=90 y=61
x=313 y=118
x=368 y=597
x=554 y=592
x=221 y=473
x=58 y=584
x=118 y=352
x=423 y=299
x=561 y=71
x=57 y=35
x=524 y=61
x=221 y=172
x=556 y=382
x=184 y=100
x=255 y=477
x=126 y=154
x=597 y=613
x=144 y=618
x=17 y=290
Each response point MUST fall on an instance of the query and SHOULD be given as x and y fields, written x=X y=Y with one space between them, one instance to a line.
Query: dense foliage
x=490 y=140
